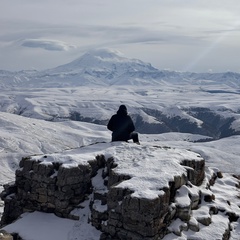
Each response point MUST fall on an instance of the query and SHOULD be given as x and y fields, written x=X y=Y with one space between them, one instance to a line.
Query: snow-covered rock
x=142 y=181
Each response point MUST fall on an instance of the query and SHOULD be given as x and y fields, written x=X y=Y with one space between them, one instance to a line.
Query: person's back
x=122 y=126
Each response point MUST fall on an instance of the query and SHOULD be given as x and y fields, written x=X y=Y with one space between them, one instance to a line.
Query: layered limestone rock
x=140 y=206
x=143 y=188
x=48 y=187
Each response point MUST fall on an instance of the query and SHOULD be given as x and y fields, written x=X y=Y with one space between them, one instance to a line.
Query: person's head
x=122 y=110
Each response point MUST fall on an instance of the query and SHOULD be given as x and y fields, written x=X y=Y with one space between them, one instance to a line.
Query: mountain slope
x=21 y=136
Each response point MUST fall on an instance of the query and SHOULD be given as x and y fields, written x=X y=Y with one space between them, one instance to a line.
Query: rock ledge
x=139 y=196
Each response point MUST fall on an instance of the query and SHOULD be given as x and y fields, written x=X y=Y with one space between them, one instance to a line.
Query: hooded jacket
x=121 y=125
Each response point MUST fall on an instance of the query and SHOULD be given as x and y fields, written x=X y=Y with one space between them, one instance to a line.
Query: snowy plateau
x=66 y=109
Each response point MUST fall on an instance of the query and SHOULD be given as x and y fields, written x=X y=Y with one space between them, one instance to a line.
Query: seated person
x=122 y=126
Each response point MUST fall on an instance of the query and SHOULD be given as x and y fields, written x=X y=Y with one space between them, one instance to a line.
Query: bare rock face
x=48 y=188
x=144 y=187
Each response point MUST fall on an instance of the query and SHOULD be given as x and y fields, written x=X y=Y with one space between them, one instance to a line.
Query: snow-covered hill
x=21 y=136
x=154 y=110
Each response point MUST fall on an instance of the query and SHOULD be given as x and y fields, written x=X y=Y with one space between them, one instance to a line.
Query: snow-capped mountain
x=106 y=67
x=103 y=67
x=97 y=67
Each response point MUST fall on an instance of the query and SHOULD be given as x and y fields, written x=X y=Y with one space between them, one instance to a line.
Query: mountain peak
x=105 y=58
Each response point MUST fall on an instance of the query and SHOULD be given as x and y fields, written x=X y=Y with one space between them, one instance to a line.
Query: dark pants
x=134 y=137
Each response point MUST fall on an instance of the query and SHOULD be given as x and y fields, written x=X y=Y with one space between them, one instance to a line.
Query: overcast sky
x=182 y=35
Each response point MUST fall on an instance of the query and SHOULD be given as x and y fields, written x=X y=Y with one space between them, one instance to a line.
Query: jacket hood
x=122 y=110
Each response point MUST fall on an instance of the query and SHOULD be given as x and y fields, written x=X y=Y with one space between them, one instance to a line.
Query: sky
x=184 y=35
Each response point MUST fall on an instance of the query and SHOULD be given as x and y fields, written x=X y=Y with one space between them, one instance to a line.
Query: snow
x=182 y=198
x=223 y=153
x=72 y=142
x=215 y=231
x=48 y=226
x=145 y=164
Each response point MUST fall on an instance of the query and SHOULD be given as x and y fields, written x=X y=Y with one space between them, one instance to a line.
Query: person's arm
x=110 y=124
x=131 y=126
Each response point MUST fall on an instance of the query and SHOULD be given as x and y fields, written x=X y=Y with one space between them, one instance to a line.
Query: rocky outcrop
x=131 y=217
x=48 y=188
x=122 y=210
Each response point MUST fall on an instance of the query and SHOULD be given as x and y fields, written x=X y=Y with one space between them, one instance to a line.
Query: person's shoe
x=138 y=143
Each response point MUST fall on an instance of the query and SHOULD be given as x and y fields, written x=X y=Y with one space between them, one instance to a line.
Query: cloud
x=168 y=34
x=47 y=44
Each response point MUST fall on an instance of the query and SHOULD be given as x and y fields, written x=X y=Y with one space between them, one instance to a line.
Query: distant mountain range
x=104 y=67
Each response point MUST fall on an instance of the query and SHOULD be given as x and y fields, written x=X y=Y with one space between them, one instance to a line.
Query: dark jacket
x=121 y=125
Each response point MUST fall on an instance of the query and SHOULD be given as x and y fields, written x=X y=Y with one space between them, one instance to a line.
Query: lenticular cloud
x=47 y=44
